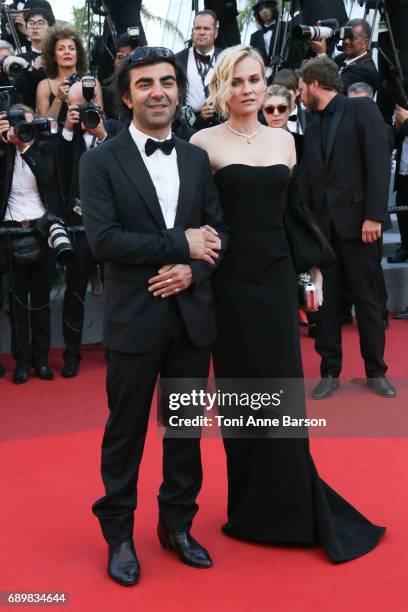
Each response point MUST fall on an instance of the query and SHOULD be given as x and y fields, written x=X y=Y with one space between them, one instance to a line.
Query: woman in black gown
x=275 y=494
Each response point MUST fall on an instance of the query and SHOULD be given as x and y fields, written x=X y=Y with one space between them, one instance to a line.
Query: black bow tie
x=166 y=146
x=268 y=28
x=293 y=118
x=204 y=59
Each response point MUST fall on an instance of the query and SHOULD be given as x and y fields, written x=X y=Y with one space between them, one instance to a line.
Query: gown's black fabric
x=274 y=492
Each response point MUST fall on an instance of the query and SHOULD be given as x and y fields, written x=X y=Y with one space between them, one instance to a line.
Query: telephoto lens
x=58 y=239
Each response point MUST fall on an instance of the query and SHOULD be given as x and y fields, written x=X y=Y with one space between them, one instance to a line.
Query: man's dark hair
x=361 y=87
x=366 y=28
x=45 y=13
x=323 y=70
x=275 y=11
x=287 y=78
x=151 y=60
x=206 y=12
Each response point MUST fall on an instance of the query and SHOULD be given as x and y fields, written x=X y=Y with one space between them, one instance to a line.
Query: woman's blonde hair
x=220 y=86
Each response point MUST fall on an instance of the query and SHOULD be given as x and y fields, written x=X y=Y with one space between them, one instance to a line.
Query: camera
x=72 y=79
x=27 y=131
x=89 y=115
x=13 y=67
x=50 y=226
x=88 y=87
x=328 y=28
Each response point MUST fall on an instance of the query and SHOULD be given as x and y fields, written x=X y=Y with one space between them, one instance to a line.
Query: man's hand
x=207 y=111
x=72 y=118
x=4 y=127
x=203 y=243
x=319 y=46
x=371 y=231
x=400 y=115
x=19 y=22
x=317 y=279
x=170 y=280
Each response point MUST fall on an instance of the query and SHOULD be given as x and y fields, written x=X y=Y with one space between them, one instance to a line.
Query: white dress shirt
x=196 y=94
x=24 y=201
x=163 y=170
x=267 y=38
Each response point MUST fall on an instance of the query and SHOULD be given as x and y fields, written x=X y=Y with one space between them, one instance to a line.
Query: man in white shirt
x=198 y=63
x=152 y=214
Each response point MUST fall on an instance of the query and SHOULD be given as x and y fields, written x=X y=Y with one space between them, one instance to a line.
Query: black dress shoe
x=44 y=372
x=381 y=386
x=2 y=370
x=400 y=256
x=403 y=314
x=21 y=374
x=325 y=387
x=70 y=369
x=188 y=549
x=123 y=565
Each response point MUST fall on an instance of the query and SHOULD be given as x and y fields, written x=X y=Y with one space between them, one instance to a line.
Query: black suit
x=401 y=184
x=182 y=60
x=79 y=269
x=345 y=186
x=362 y=70
x=147 y=335
x=34 y=279
x=258 y=42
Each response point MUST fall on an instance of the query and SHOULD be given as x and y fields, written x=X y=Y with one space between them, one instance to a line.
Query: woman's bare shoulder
x=205 y=138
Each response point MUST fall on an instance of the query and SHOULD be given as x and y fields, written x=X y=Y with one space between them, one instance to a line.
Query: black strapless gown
x=275 y=494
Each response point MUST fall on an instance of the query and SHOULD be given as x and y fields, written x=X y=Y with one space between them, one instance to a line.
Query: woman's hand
x=317 y=279
x=63 y=90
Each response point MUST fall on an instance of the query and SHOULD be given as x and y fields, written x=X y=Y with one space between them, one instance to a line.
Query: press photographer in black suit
x=346 y=174
x=152 y=214
x=76 y=139
x=28 y=189
x=356 y=62
x=266 y=14
x=198 y=63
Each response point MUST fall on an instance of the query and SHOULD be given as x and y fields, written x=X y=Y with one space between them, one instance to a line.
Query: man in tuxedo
x=152 y=214
x=198 y=63
x=345 y=180
x=74 y=141
x=266 y=14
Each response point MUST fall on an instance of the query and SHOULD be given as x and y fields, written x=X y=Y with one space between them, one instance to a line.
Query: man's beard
x=313 y=105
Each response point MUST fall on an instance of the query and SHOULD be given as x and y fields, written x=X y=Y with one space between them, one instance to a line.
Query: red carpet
x=49 y=453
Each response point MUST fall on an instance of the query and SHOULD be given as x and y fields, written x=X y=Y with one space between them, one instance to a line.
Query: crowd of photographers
x=52 y=110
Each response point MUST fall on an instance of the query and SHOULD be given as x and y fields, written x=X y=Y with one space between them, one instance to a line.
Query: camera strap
x=203 y=69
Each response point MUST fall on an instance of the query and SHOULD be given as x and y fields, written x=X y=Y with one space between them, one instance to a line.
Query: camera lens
x=24 y=132
x=91 y=118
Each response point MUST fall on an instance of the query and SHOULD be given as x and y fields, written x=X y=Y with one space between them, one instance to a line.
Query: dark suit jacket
x=258 y=42
x=400 y=135
x=41 y=157
x=126 y=229
x=363 y=70
x=352 y=184
x=69 y=155
x=182 y=57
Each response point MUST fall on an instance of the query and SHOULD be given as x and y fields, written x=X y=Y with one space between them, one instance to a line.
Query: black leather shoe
x=2 y=370
x=400 y=256
x=403 y=314
x=188 y=549
x=325 y=387
x=21 y=374
x=70 y=369
x=381 y=386
x=123 y=565
x=44 y=372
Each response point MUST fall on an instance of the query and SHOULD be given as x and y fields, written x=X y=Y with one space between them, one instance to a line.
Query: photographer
x=356 y=62
x=198 y=63
x=77 y=137
x=64 y=60
x=266 y=14
x=28 y=190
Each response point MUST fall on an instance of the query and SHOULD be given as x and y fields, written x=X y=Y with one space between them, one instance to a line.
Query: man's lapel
x=314 y=131
x=334 y=126
x=133 y=165
x=186 y=174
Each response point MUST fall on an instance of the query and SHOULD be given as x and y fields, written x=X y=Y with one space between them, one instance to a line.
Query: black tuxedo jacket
x=69 y=155
x=258 y=42
x=363 y=70
x=126 y=229
x=352 y=183
x=41 y=157
x=182 y=57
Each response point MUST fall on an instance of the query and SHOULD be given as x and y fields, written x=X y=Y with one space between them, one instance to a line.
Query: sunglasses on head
x=141 y=53
x=281 y=108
